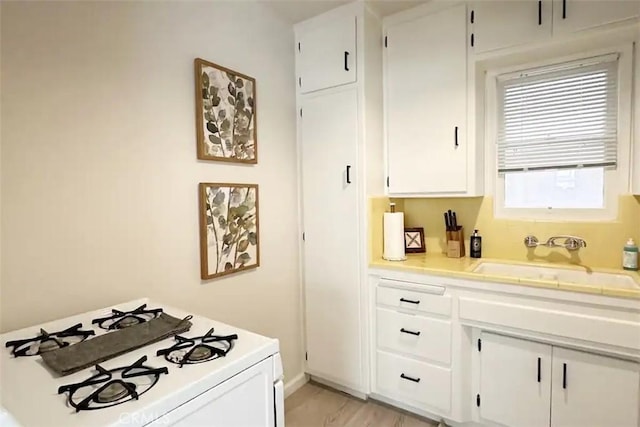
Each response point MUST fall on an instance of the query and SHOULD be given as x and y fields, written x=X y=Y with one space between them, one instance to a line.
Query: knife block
x=455 y=243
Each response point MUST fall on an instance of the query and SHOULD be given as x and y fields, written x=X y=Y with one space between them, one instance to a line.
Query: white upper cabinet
x=592 y=391
x=576 y=15
x=426 y=103
x=326 y=50
x=505 y=23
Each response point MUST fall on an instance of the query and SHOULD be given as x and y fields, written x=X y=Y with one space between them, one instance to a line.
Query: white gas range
x=239 y=385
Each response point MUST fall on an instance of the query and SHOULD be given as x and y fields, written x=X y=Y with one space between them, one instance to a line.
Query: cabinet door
x=515 y=381
x=576 y=15
x=593 y=391
x=327 y=53
x=331 y=272
x=426 y=103
x=501 y=23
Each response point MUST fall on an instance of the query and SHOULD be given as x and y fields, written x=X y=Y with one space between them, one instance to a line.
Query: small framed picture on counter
x=414 y=240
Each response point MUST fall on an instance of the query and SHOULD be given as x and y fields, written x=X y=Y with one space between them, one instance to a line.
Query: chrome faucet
x=571 y=243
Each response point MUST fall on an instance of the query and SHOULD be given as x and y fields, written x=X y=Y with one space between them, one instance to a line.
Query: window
x=557 y=139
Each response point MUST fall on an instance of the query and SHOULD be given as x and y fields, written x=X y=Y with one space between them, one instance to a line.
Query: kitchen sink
x=558 y=274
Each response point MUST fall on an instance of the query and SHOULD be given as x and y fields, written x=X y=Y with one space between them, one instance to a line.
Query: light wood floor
x=314 y=406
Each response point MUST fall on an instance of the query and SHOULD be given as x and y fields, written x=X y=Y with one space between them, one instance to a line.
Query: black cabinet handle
x=564 y=375
x=348 y=174
x=406 y=331
x=346 y=60
x=564 y=9
x=539 y=373
x=539 y=12
x=409 y=301
x=455 y=136
x=404 y=377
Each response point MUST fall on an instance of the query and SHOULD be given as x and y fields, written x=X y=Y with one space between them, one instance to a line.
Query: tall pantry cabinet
x=339 y=99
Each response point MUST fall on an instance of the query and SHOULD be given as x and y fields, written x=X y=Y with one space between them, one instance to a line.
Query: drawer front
x=412 y=300
x=416 y=383
x=415 y=335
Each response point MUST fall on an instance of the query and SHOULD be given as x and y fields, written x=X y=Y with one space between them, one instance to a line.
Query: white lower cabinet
x=590 y=390
x=529 y=384
x=496 y=355
x=515 y=381
x=413 y=346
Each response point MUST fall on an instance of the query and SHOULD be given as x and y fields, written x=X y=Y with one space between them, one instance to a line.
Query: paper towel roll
x=393 y=231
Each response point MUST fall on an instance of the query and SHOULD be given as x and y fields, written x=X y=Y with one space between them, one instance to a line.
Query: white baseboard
x=294 y=384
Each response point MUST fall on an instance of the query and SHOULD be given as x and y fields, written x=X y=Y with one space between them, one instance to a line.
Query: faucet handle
x=531 y=241
x=575 y=243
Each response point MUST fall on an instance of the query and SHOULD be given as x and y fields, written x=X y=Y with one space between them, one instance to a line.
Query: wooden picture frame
x=229 y=228
x=414 y=240
x=226 y=126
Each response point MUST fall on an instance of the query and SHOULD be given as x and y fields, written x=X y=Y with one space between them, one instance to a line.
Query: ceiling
x=299 y=10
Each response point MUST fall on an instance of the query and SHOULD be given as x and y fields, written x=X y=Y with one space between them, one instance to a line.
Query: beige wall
x=99 y=170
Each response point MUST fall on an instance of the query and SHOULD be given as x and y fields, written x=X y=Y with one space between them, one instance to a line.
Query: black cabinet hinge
x=385 y=41
x=478 y=400
x=479 y=344
x=387 y=182
x=472 y=40
x=473 y=16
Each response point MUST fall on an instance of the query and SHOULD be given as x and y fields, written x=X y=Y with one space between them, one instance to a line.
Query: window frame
x=617 y=181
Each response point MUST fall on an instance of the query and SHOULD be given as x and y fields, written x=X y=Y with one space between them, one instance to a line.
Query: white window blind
x=562 y=116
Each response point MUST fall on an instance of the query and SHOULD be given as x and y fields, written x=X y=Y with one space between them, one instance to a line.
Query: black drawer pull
x=410 y=332
x=404 y=377
x=346 y=60
x=564 y=375
x=348 y=174
x=410 y=301
x=539 y=373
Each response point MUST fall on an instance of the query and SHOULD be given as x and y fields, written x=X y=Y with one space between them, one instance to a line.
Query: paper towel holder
x=414 y=240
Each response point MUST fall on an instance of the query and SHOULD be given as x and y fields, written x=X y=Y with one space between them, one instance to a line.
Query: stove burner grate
x=45 y=341
x=189 y=351
x=112 y=387
x=123 y=319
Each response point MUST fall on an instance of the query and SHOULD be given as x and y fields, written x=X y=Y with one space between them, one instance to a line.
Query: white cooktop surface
x=29 y=391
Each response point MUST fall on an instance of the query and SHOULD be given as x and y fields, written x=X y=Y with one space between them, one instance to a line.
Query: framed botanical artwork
x=225 y=114
x=414 y=240
x=229 y=240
